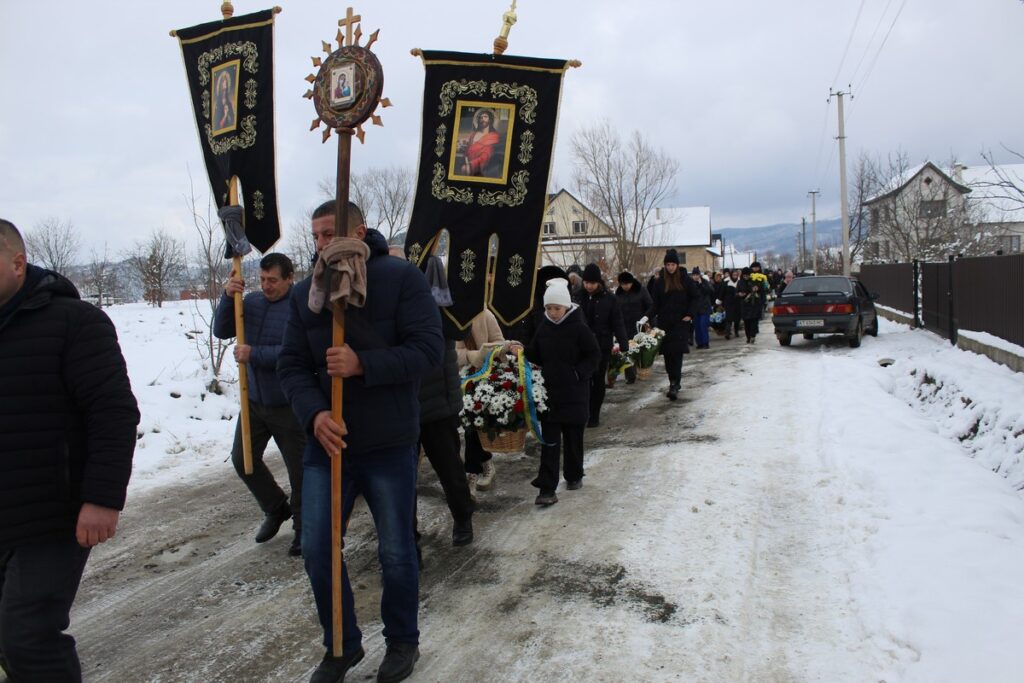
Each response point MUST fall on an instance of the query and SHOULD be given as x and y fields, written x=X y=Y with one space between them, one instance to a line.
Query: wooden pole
x=243 y=372
x=337 y=386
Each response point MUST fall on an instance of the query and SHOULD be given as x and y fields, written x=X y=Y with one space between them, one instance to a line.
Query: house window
x=874 y=217
x=548 y=229
x=932 y=209
x=682 y=258
x=579 y=227
x=1011 y=244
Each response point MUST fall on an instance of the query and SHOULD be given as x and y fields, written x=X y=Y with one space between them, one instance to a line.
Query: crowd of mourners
x=68 y=415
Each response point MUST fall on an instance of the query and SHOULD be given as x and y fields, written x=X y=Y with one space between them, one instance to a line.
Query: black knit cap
x=696 y=270
x=625 y=276
x=671 y=256
x=592 y=273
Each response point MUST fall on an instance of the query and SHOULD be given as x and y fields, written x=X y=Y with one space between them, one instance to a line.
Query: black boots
x=333 y=669
x=272 y=522
x=398 y=662
x=462 y=532
x=546 y=498
x=673 y=392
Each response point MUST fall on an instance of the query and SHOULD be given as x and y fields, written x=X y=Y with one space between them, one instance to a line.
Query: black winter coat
x=669 y=309
x=568 y=355
x=264 y=322
x=751 y=305
x=705 y=296
x=730 y=302
x=397 y=336
x=67 y=413
x=601 y=313
x=634 y=304
x=441 y=390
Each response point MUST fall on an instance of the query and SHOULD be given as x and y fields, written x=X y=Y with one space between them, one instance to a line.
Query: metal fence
x=982 y=294
x=894 y=284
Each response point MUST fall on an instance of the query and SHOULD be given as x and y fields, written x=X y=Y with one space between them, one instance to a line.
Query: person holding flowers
x=751 y=290
x=568 y=354
x=675 y=300
x=634 y=300
x=485 y=334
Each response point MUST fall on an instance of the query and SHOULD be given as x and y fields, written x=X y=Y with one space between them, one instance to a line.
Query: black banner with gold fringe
x=230 y=70
x=488 y=136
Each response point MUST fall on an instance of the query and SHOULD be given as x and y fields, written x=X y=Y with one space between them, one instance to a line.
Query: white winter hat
x=557 y=292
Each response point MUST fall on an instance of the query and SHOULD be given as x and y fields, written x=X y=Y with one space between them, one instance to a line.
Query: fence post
x=917 y=294
x=952 y=311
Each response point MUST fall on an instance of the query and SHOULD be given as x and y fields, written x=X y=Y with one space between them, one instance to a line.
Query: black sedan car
x=825 y=304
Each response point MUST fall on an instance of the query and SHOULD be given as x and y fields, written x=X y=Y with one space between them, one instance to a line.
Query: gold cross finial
x=348 y=22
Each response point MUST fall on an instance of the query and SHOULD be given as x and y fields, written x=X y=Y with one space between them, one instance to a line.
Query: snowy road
x=744 y=533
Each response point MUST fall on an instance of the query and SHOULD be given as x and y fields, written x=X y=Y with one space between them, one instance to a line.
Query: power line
x=849 y=41
x=878 y=53
x=867 y=46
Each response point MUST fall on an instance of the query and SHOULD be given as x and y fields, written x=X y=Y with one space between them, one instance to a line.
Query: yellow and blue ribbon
x=525 y=381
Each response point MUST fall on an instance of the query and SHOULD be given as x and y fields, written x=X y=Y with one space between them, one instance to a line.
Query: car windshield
x=818 y=285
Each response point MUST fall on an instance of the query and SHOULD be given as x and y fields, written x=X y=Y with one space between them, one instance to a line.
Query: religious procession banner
x=230 y=69
x=488 y=135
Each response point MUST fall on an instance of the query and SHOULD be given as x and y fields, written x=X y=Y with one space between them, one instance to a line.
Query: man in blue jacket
x=264 y=314
x=391 y=343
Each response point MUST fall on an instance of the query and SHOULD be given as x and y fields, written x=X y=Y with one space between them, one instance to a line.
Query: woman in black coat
x=673 y=310
x=751 y=297
x=731 y=303
x=634 y=301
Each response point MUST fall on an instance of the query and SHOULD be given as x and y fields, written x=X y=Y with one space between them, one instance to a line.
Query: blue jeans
x=387 y=481
x=701 y=323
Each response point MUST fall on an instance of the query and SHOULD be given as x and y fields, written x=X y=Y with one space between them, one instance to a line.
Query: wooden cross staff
x=344 y=113
x=243 y=367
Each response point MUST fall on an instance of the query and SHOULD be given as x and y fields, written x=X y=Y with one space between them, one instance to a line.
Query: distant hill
x=782 y=237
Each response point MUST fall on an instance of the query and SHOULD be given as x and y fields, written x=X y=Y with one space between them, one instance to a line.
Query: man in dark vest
x=67 y=437
x=601 y=312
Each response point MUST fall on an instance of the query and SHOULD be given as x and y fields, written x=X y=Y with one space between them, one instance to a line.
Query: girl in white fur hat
x=568 y=354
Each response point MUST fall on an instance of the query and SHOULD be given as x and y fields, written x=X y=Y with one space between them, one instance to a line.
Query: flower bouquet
x=502 y=399
x=643 y=349
x=619 y=362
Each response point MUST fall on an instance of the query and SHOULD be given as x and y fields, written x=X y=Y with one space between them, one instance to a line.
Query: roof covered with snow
x=688 y=226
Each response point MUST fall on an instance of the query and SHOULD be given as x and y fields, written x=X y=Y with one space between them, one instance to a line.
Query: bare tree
x=917 y=217
x=864 y=184
x=159 y=263
x=300 y=246
x=383 y=193
x=212 y=271
x=54 y=244
x=99 y=275
x=1008 y=186
x=622 y=181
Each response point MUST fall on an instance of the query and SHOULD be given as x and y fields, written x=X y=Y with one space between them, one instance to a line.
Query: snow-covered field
x=802 y=514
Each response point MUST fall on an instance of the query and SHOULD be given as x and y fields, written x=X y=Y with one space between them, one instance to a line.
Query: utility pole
x=842 y=182
x=814 y=230
x=803 y=242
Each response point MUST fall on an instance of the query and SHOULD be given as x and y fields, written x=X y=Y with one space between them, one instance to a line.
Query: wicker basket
x=643 y=373
x=505 y=442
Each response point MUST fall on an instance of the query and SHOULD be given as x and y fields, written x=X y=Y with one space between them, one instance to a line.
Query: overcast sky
x=96 y=126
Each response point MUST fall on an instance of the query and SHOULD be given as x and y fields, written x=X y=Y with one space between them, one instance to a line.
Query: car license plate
x=810 y=323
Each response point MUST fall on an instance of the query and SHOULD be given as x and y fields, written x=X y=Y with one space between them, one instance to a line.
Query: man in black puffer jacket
x=603 y=317
x=67 y=436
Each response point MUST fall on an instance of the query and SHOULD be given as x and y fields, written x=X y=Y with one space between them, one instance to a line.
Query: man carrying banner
x=390 y=343
x=265 y=315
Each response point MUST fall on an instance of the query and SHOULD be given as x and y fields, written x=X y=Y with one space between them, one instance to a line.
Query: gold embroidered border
x=452 y=89
x=513 y=196
x=445 y=192
x=526 y=95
